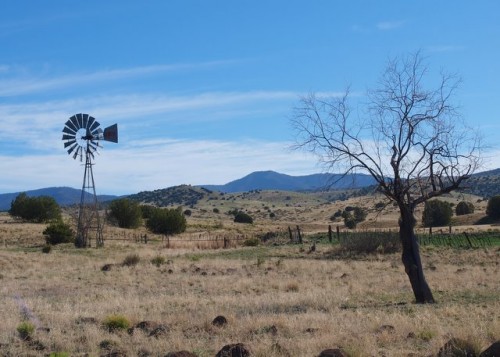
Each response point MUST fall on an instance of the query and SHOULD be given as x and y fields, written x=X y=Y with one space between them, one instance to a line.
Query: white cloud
x=389 y=25
x=38 y=83
x=156 y=164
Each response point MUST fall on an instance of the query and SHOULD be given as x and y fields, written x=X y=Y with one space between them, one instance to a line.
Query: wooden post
x=430 y=231
x=330 y=238
x=449 y=229
x=300 y=236
x=225 y=243
x=338 y=233
x=290 y=234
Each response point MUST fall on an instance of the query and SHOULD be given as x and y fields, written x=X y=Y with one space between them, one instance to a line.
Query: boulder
x=492 y=351
x=219 y=321
x=456 y=347
x=234 y=350
x=333 y=352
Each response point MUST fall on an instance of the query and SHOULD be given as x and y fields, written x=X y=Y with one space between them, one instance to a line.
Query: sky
x=203 y=91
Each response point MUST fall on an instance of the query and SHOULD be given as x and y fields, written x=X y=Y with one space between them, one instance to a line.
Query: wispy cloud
x=36 y=83
x=156 y=164
x=389 y=25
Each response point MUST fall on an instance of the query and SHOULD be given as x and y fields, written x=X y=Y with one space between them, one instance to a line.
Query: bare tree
x=409 y=138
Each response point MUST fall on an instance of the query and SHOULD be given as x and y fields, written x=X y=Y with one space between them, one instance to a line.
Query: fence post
x=330 y=238
x=338 y=233
x=449 y=229
x=290 y=234
x=225 y=242
x=300 y=236
x=430 y=231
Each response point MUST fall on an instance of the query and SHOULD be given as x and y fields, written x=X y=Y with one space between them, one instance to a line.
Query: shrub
x=35 y=209
x=126 y=213
x=158 y=261
x=166 y=221
x=131 y=260
x=59 y=232
x=493 y=208
x=350 y=222
x=464 y=207
x=251 y=242
x=188 y=213
x=272 y=215
x=242 y=217
x=146 y=210
x=336 y=215
x=370 y=242
x=47 y=248
x=436 y=213
x=25 y=330
x=116 y=322
x=216 y=210
x=359 y=214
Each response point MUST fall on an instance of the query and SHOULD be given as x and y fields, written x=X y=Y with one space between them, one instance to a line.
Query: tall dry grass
x=278 y=300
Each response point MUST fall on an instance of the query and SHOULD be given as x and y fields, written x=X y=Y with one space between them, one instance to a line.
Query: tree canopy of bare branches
x=408 y=135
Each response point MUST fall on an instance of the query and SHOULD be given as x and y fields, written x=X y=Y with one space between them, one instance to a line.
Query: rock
x=456 y=347
x=150 y=328
x=492 y=351
x=385 y=328
x=180 y=354
x=107 y=267
x=335 y=352
x=234 y=350
x=219 y=321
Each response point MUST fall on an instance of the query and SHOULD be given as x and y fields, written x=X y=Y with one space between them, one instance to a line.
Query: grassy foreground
x=279 y=301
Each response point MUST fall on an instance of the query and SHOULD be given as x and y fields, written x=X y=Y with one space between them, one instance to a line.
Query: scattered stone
x=492 y=351
x=456 y=347
x=234 y=350
x=333 y=352
x=219 y=321
x=86 y=321
x=180 y=354
x=161 y=330
x=36 y=345
x=107 y=267
x=385 y=328
x=150 y=328
x=311 y=330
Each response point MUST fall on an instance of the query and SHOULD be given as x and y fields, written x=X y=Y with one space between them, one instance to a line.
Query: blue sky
x=203 y=91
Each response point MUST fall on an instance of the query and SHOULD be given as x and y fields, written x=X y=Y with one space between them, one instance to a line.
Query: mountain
x=270 y=180
x=483 y=184
x=64 y=196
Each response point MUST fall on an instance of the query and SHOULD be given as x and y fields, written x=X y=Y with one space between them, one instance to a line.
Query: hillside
x=64 y=196
x=484 y=184
x=271 y=180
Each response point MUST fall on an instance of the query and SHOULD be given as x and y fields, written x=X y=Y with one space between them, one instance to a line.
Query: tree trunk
x=411 y=257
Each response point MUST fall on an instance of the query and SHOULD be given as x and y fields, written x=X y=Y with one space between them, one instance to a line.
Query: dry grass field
x=279 y=300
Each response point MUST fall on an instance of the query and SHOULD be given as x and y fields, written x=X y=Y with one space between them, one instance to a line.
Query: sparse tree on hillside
x=125 y=212
x=493 y=208
x=408 y=137
x=436 y=213
x=166 y=221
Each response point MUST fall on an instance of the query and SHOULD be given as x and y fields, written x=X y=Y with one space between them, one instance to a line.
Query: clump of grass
x=426 y=335
x=47 y=248
x=116 y=323
x=25 y=330
x=131 y=260
x=59 y=354
x=251 y=242
x=292 y=287
x=158 y=261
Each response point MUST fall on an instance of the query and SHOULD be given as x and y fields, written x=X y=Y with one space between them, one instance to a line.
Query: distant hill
x=484 y=184
x=64 y=196
x=183 y=195
x=271 y=180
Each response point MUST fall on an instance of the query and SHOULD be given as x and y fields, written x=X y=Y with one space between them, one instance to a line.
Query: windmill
x=81 y=135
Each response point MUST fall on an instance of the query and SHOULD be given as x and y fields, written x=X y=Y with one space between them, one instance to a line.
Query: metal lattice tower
x=82 y=135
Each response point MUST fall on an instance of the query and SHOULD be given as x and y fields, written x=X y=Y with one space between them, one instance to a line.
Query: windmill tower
x=81 y=135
